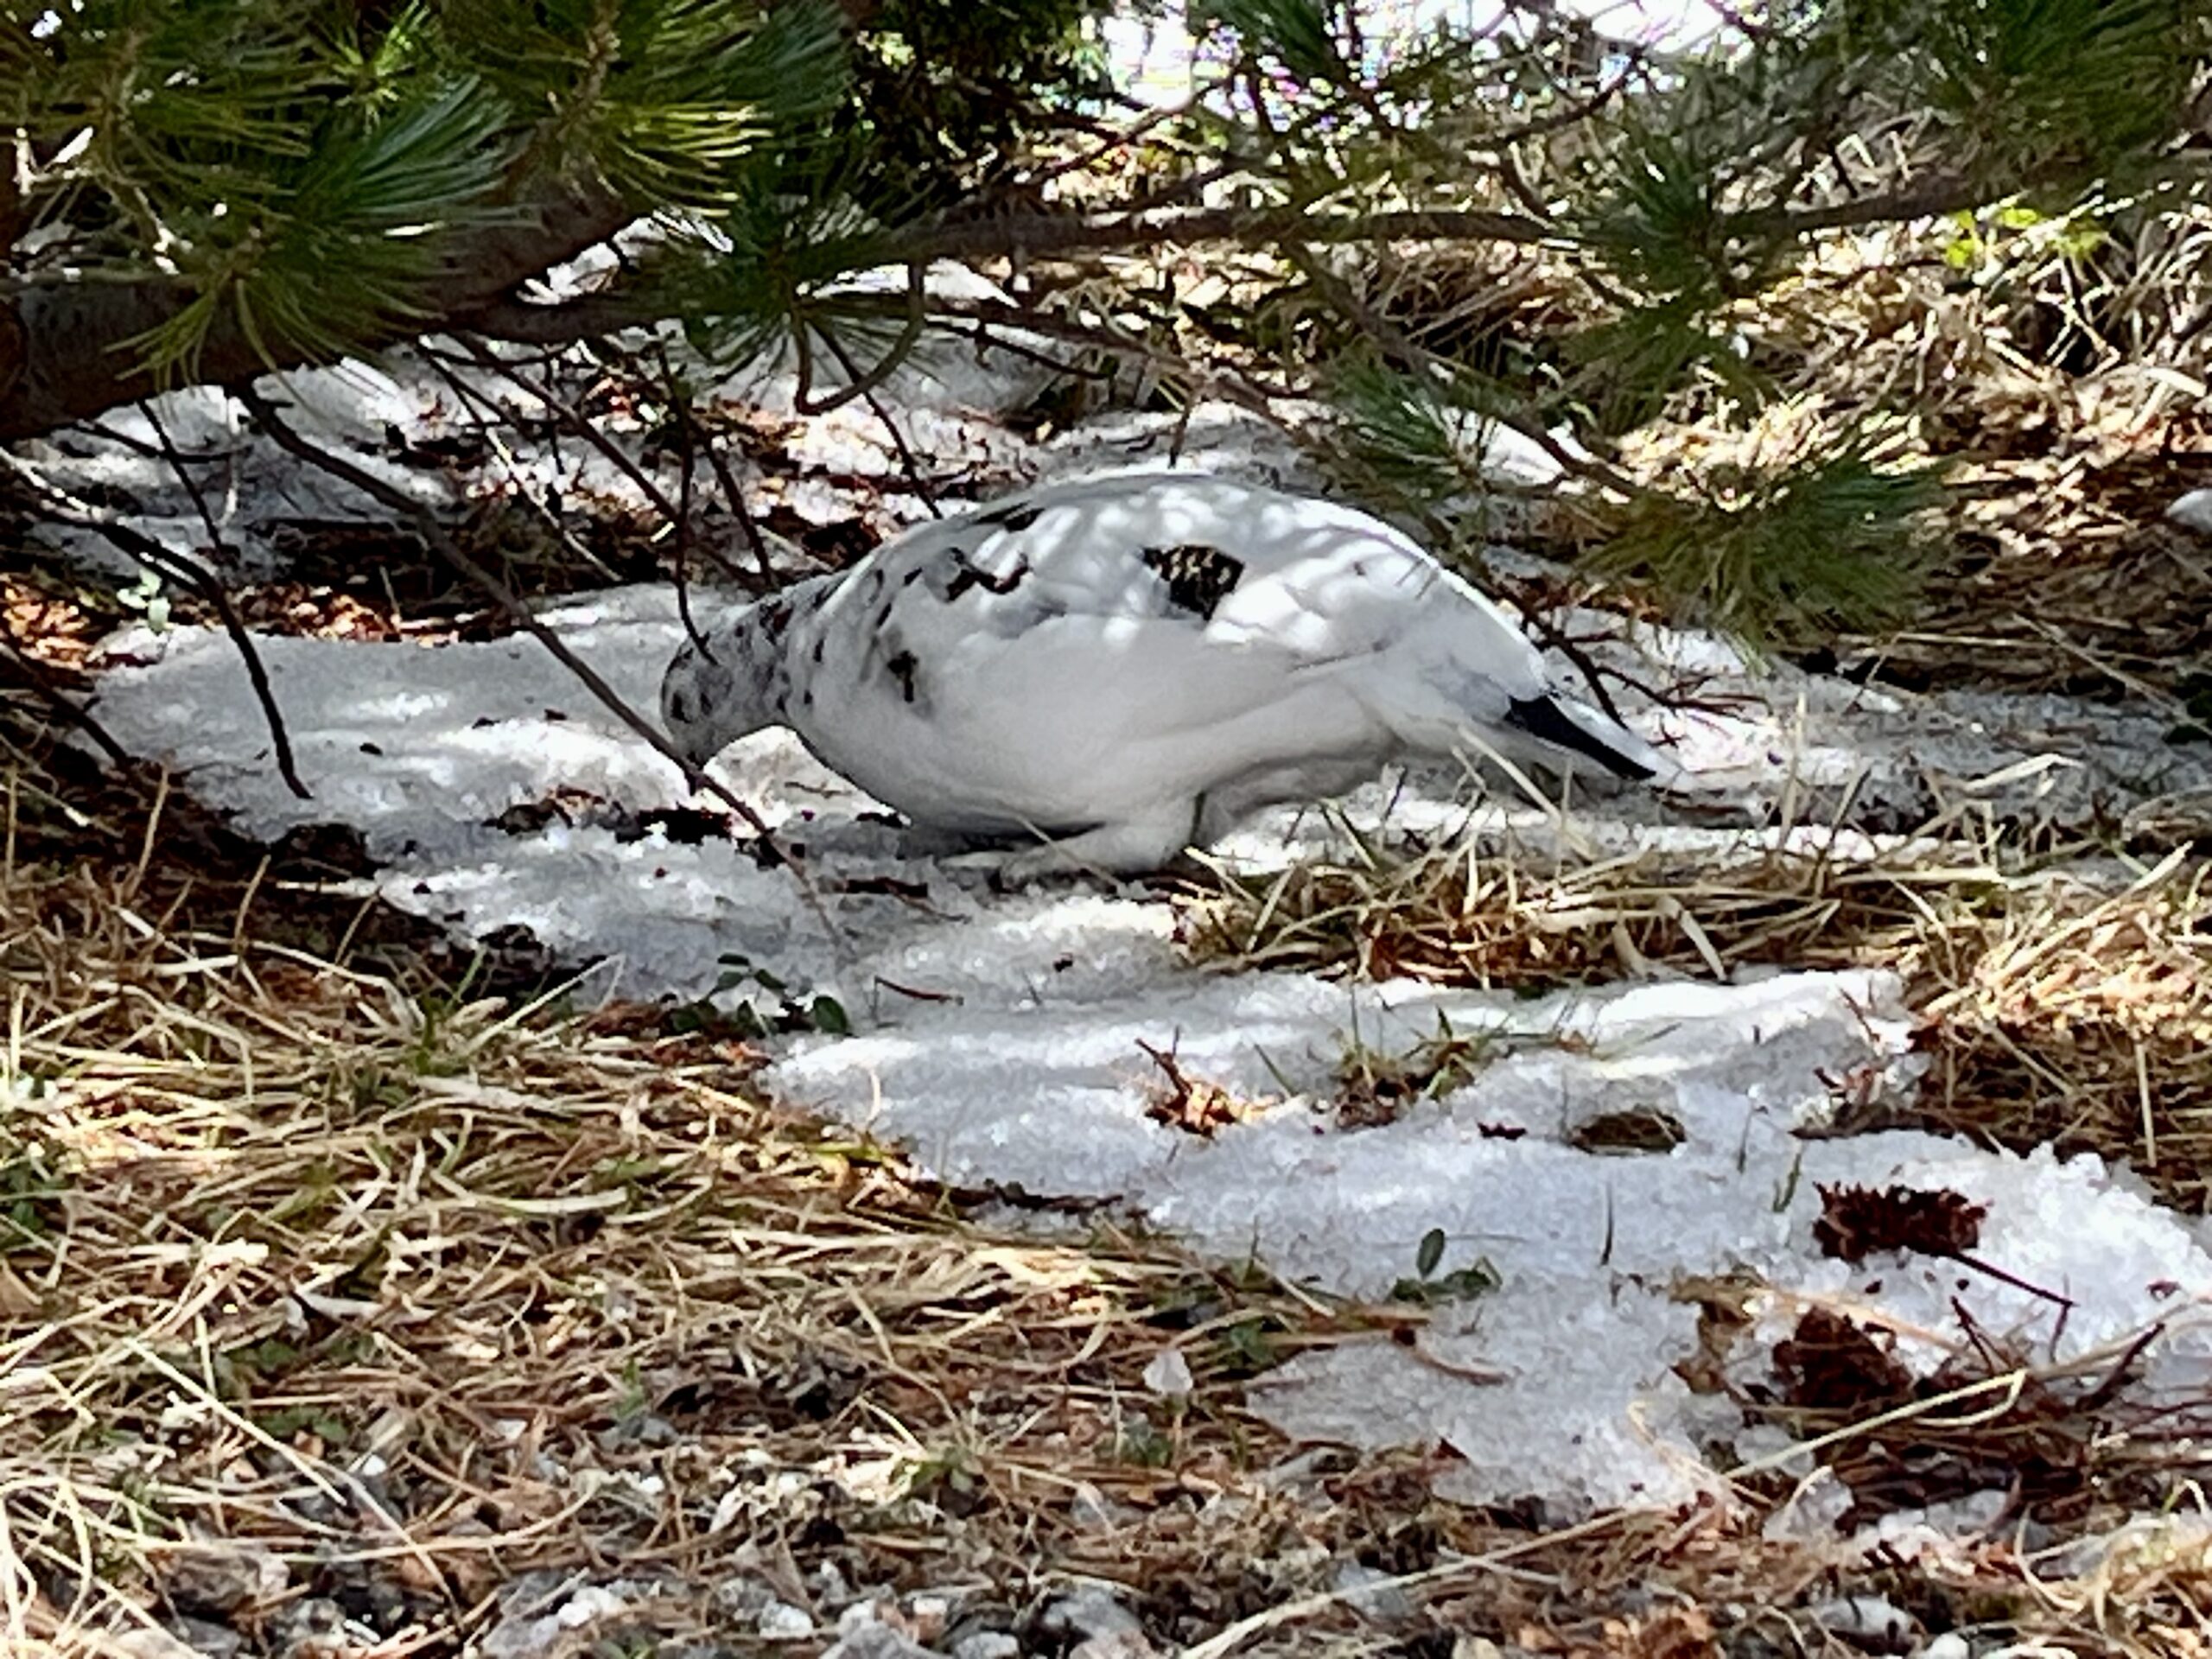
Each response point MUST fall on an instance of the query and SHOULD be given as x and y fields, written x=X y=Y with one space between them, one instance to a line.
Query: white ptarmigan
x=1123 y=667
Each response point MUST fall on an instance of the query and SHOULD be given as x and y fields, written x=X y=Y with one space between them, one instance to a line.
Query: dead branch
x=179 y=567
x=441 y=541
x=29 y=672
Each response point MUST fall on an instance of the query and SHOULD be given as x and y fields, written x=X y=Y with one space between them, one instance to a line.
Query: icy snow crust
x=997 y=1037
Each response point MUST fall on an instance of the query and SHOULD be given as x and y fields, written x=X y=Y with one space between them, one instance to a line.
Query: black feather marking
x=910 y=577
x=1013 y=519
x=875 y=581
x=775 y=617
x=1198 y=577
x=966 y=574
x=1541 y=717
x=901 y=668
x=679 y=707
x=820 y=640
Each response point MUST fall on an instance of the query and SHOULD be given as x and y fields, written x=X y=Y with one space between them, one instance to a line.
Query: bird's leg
x=1134 y=848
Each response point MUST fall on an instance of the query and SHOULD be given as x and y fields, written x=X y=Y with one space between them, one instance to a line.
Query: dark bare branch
x=72 y=338
x=440 y=542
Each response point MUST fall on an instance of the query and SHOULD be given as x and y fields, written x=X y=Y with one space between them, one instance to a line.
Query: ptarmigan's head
x=727 y=683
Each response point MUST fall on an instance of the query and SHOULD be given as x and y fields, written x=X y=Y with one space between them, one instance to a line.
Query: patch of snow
x=1000 y=1038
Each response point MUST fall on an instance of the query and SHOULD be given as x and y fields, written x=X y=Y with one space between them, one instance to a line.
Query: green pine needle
x=349 y=250
x=1295 y=32
x=1418 y=440
x=1831 y=544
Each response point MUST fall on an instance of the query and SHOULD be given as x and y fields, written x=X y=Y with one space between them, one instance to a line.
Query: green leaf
x=1430 y=1253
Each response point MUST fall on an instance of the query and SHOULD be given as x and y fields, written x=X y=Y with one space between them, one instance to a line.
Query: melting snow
x=999 y=1038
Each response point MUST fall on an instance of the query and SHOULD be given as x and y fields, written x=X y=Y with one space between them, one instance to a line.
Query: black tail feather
x=1542 y=717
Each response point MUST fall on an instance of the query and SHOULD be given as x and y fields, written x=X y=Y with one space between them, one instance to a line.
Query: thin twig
x=696 y=432
x=573 y=419
x=202 y=581
x=683 y=545
x=491 y=421
x=183 y=473
x=441 y=542
x=33 y=673
x=906 y=458
x=857 y=385
x=179 y=567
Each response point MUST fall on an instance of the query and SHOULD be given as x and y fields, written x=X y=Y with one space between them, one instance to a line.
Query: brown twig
x=203 y=582
x=153 y=557
x=32 y=673
x=441 y=542
x=569 y=416
x=698 y=432
x=906 y=458
x=683 y=546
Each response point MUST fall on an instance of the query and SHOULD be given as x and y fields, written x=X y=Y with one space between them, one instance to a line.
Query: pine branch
x=1045 y=236
x=75 y=359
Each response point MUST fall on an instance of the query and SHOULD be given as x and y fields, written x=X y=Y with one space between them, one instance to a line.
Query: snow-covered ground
x=1003 y=1038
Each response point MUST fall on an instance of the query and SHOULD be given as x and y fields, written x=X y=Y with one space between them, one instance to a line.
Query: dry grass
x=352 y=1318
x=2055 y=1010
x=421 y=1296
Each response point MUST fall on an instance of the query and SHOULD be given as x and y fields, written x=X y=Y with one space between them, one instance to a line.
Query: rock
x=317 y=1628
x=830 y=1589
x=2193 y=511
x=207 y=1639
x=531 y=1628
x=214 y=1580
x=1874 y=1623
x=873 y=1640
x=928 y=1614
x=151 y=1642
x=985 y=1644
x=1115 y=1645
x=1094 y=1511
x=1089 y=1611
x=1949 y=1645
x=1373 y=1593
x=781 y=1621
x=1169 y=1374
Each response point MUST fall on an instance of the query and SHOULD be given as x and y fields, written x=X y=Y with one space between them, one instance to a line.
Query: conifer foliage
x=203 y=189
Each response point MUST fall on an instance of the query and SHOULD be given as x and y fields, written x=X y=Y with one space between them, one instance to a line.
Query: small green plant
x=1247 y=1347
x=788 y=1012
x=1142 y=1443
x=633 y=1402
x=1478 y=1278
x=950 y=1478
x=146 y=597
x=32 y=1182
